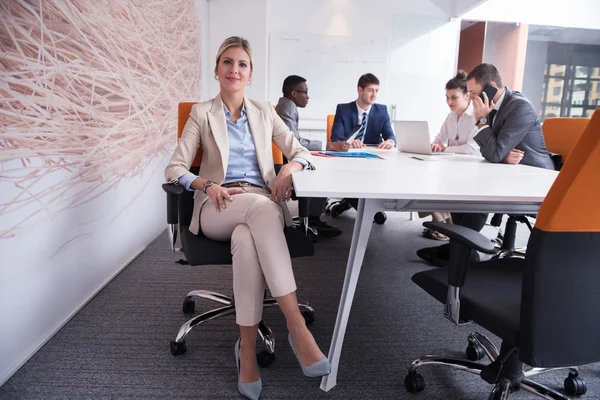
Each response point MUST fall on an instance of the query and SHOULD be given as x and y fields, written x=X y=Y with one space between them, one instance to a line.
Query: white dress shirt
x=457 y=133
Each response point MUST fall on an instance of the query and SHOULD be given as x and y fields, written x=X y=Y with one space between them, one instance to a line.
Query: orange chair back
x=330 y=119
x=561 y=134
x=183 y=113
x=572 y=202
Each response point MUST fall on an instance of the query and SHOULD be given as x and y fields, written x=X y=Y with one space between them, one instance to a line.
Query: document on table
x=350 y=154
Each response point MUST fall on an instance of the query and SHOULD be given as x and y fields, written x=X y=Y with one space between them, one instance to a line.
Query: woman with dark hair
x=456 y=136
x=458 y=130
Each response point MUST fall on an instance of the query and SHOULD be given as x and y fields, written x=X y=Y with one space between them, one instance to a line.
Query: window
x=570 y=91
x=562 y=70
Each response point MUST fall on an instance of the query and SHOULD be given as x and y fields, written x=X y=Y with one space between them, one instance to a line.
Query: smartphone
x=490 y=91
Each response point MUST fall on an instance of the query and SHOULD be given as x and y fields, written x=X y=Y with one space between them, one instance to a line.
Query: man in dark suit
x=509 y=132
x=295 y=94
x=374 y=122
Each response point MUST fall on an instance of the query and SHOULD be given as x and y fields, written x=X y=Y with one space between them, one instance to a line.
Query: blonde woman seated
x=239 y=199
x=456 y=136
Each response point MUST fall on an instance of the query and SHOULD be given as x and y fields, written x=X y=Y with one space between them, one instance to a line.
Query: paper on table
x=350 y=154
x=353 y=134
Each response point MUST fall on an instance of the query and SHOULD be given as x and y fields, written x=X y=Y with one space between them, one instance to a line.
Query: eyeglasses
x=300 y=91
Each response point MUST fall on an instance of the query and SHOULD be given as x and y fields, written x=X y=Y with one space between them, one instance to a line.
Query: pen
x=417 y=158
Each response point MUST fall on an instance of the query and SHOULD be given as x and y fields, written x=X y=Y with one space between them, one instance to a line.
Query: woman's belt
x=240 y=184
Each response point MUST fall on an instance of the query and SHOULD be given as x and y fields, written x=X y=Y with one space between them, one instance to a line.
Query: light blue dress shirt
x=243 y=164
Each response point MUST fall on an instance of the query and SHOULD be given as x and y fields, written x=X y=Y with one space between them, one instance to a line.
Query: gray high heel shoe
x=250 y=390
x=315 y=370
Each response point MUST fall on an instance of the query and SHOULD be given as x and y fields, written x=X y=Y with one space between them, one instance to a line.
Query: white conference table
x=399 y=182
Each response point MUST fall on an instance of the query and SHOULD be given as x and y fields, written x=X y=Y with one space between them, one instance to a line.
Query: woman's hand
x=220 y=195
x=282 y=186
x=437 y=146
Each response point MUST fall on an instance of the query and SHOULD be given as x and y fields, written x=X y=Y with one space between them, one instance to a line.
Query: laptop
x=413 y=137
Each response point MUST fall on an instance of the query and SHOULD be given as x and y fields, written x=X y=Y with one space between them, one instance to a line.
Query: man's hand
x=357 y=144
x=338 y=146
x=220 y=195
x=388 y=144
x=282 y=185
x=514 y=157
x=437 y=147
x=482 y=108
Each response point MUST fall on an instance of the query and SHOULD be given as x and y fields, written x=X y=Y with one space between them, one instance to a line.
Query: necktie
x=491 y=117
x=363 y=126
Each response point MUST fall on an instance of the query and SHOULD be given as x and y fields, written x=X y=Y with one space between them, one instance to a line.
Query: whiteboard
x=330 y=64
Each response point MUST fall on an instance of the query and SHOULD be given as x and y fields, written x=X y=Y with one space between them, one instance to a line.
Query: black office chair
x=199 y=250
x=543 y=307
x=504 y=242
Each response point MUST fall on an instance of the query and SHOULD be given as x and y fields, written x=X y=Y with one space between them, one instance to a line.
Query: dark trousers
x=317 y=206
x=470 y=220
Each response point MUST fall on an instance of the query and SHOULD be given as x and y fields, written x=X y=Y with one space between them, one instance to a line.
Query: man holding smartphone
x=509 y=127
x=509 y=131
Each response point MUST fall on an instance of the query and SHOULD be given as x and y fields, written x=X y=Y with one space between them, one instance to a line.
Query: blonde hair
x=234 y=41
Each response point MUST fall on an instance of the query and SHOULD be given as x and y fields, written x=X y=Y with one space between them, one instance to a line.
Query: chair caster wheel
x=309 y=316
x=574 y=385
x=178 y=347
x=334 y=212
x=264 y=358
x=475 y=352
x=189 y=306
x=414 y=382
x=380 y=218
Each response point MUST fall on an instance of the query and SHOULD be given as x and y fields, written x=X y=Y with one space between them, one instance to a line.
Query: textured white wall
x=53 y=263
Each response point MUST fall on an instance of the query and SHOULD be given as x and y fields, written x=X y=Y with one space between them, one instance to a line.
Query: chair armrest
x=471 y=238
x=462 y=241
x=173 y=190
x=557 y=160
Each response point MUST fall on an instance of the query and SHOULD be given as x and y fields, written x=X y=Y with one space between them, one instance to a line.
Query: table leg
x=360 y=237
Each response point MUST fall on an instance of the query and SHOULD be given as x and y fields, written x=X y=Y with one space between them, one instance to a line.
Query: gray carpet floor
x=117 y=346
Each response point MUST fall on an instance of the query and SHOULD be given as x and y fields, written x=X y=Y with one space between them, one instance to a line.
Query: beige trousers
x=254 y=224
x=441 y=216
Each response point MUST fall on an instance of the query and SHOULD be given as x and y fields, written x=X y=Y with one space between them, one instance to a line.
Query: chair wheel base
x=264 y=358
x=474 y=352
x=309 y=316
x=574 y=385
x=380 y=218
x=414 y=382
x=178 y=348
x=189 y=306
